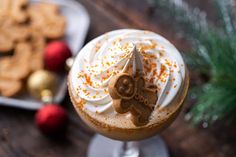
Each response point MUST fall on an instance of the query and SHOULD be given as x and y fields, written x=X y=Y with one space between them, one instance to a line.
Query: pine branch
x=225 y=13
x=232 y=8
x=214 y=54
x=215 y=103
x=217 y=98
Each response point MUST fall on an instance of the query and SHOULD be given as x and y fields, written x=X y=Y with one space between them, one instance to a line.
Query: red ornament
x=51 y=119
x=55 y=55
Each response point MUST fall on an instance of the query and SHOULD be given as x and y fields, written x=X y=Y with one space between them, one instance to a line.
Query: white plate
x=77 y=26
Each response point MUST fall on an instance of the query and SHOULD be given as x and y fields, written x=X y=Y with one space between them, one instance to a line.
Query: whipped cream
x=113 y=53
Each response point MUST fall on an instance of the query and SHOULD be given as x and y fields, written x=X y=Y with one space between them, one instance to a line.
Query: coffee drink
x=128 y=84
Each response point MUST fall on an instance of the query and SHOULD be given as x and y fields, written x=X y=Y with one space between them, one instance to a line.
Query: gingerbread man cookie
x=11 y=33
x=132 y=95
x=16 y=67
x=18 y=10
x=38 y=44
x=9 y=87
x=14 y=9
x=46 y=17
x=6 y=43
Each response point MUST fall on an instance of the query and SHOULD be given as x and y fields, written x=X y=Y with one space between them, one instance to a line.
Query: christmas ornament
x=213 y=55
x=39 y=81
x=51 y=119
x=55 y=55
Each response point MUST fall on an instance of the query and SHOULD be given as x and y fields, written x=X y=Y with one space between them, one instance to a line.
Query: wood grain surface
x=20 y=138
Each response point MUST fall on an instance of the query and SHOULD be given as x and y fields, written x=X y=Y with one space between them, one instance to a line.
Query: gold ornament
x=41 y=81
x=46 y=96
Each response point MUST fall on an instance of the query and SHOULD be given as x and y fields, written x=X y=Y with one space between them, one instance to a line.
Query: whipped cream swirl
x=113 y=53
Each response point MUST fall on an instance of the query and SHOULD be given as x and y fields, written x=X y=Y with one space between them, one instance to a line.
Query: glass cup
x=137 y=142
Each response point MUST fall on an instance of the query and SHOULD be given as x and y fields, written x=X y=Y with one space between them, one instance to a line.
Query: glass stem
x=128 y=149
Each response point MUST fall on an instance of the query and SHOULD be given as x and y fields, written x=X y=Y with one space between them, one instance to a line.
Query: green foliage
x=216 y=102
x=214 y=53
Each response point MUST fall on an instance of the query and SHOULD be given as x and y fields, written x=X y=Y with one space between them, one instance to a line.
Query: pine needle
x=214 y=54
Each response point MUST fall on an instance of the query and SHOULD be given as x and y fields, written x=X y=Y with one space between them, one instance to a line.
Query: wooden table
x=20 y=138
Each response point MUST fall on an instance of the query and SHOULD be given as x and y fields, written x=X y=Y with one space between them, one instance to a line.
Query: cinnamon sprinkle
x=88 y=79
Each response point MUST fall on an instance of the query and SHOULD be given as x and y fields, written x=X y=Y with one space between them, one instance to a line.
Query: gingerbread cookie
x=10 y=88
x=14 y=9
x=16 y=67
x=11 y=33
x=37 y=40
x=132 y=95
x=38 y=44
x=17 y=32
x=24 y=30
x=6 y=43
x=18 y=10
x=46 y=17
x=4 y=8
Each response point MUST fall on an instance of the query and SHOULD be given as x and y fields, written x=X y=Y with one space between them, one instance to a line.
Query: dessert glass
x=134 y=53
